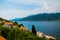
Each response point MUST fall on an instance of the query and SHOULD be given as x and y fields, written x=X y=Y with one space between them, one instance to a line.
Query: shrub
x=4 y=31
x=17 y=34
x=51 y=39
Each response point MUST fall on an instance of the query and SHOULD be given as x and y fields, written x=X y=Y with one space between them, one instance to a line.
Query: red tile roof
x=8 y=23
x=2 y=38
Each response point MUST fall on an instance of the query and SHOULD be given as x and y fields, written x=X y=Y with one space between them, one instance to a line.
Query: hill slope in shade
x=40 y=17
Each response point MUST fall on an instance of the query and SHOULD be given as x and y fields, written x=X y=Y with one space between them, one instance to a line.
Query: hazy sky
x=20 y=8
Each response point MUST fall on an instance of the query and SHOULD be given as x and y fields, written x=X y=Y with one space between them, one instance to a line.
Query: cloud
x=12 y=13
x=27 y=2
x=23 y=8
x=46 y=5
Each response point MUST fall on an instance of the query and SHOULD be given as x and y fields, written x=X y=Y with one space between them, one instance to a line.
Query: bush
x=17 y=34
x=4 y=31
x=51 y=39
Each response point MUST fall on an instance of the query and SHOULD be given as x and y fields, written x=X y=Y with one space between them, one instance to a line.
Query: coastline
x=40 y=34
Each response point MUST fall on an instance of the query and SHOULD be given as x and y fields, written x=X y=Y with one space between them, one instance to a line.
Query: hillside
x=40 y=17
x=1 y=19
x=16 y=32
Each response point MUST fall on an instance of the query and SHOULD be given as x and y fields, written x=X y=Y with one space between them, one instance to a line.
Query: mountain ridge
x=40 y=17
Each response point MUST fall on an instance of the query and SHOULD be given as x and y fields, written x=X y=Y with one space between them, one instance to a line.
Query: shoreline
x=40 y=34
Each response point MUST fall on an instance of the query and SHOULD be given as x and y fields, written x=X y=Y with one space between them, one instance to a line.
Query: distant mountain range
x=40 y=17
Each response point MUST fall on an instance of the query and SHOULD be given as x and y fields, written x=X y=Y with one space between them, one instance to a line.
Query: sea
x=51 y=28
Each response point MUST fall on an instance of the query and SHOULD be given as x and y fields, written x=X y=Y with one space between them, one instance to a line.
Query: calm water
x=49 y=28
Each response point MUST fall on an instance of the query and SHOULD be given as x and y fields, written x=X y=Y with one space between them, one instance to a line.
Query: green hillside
x=40 y=17
x=1 y=19
x=17 y=34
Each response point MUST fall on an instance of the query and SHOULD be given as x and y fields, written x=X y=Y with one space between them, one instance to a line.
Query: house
x=21 y=26
x=8 y=24
x=1 y=22
x=40 y=34
x=2 y=38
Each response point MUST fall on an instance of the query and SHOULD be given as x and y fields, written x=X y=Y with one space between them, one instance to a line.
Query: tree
x=16 y=23
x=4 y=31
x=51 y=39
x=33 y=29
x=20 y=25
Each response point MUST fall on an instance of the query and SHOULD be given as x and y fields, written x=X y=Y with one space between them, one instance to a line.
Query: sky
x=10 y=9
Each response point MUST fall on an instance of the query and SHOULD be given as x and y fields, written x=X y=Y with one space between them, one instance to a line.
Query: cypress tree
x=33 y=29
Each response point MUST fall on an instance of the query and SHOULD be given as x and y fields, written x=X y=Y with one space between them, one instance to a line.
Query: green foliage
x=17 y=34
x=15 y=23
x=4 y=31
x=33 y=29
x=1 y=19
x=20 y=25
x=51 y=39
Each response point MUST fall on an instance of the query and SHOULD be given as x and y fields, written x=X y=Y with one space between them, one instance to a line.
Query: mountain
x=16 y=19
x=41 y=17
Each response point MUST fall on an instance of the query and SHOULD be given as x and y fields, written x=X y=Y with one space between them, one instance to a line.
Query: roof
x=2 y=38
x=8 y=23
x=0 y=21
